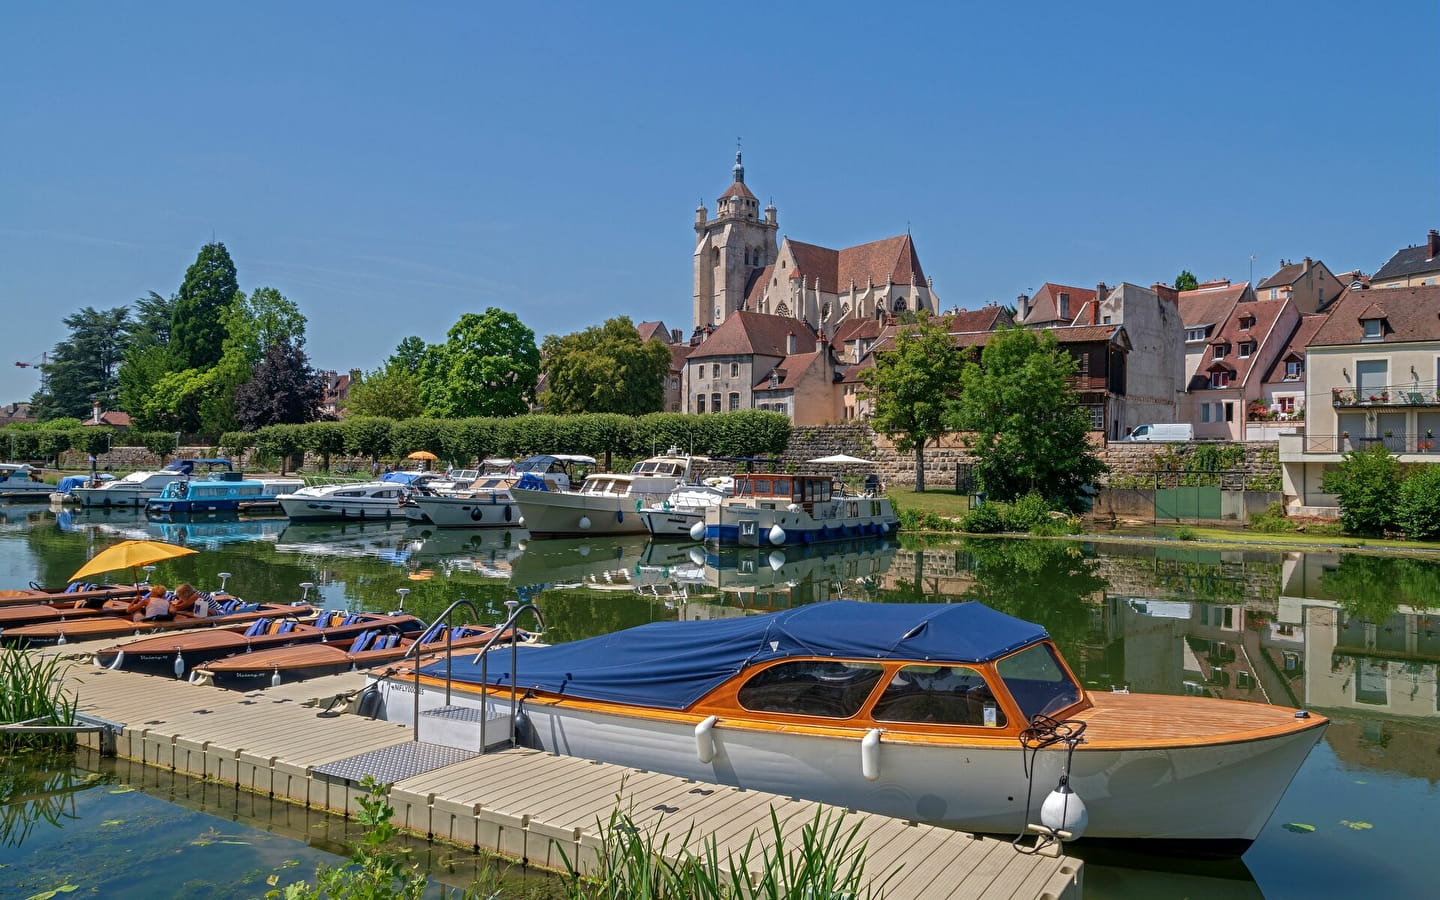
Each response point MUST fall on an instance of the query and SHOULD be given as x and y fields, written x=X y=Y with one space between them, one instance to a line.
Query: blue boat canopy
x=671 y=665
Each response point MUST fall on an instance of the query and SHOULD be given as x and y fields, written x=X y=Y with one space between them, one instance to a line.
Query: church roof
x=755 y=288
x=738 y=189
x=745 y=333
x=892 y=259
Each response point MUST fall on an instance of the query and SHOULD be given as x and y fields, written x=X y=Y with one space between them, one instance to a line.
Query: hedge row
x=461 y=441
x=31 y=442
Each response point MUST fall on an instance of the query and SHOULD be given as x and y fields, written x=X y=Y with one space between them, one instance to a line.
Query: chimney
x=1305 y=267
x=1022 y=307
x=1165 y=292
x=1095 y=311
x=1102 y=291
x=96 y=413
x=790 y=343
x=1433 y=243
x=675 y=336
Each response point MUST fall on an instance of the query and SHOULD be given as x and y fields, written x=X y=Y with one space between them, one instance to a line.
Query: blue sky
x=392 y=166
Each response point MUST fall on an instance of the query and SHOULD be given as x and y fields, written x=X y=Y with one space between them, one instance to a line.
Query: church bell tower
x=730 y=249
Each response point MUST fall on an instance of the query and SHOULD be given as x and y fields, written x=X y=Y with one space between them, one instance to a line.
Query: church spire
x=739 y=167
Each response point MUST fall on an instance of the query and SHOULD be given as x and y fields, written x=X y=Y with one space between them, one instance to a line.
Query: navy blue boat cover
x=670 y=665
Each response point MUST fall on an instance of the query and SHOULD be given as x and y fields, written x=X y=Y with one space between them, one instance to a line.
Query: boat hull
x=671 y=523
x=740 y=525
x=317 y=509
x=106 y=497
x=569 y=514
x=1206 y=797
x=490 y=511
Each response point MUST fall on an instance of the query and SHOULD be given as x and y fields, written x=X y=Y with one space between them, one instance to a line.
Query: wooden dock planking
x=524 y=803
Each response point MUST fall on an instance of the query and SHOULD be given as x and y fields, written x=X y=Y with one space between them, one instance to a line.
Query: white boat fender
x=696 y=556
x=697 y=531
x=584 y=523
x=179 y=664
x=870 y=754
x=705 y=739
x=776 y=559
x=776 y=535
x=118 y=661
x=1063 y=812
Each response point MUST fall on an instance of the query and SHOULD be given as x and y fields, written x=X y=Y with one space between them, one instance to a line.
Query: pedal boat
x=76 y=593
x=45 y=634
x=175 y=654
x=297 y=662
x=918 y=711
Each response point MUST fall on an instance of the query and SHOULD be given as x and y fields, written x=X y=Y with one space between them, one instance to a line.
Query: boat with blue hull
x=779 y=510
x=222 y=492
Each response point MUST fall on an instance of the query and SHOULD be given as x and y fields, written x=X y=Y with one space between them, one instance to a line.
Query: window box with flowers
x=1425 y=446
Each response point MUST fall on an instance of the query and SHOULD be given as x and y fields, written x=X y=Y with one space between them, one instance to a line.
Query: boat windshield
x=1037 y=681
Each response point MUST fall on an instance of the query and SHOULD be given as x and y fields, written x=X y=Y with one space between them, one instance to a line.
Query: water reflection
x=1353 y=635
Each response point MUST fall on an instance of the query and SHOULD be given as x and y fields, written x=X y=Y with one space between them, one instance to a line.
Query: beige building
x=1308 y=284
x=1416 y=265
x=723 y=372
x=1372 y=377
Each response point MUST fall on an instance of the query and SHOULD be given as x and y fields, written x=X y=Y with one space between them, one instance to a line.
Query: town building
x=1308 y=284
x=335 y=390
x=723 y=371
x=674 y=396
x=1418 y=264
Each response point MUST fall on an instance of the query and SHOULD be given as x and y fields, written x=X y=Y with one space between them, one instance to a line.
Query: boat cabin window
x=1037 y=681
x=943 y=695
x=812 y=687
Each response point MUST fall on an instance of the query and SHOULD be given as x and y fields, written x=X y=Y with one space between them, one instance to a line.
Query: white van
x=1163 y=431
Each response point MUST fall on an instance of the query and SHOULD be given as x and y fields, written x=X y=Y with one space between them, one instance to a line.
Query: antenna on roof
x=1252 y=268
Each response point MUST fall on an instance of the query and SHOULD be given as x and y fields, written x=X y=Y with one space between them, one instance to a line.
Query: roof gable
x=889 y=260
x=746 y=333
x=1411 y=314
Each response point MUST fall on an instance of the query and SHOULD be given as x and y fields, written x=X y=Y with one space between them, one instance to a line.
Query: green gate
x=1188 y=502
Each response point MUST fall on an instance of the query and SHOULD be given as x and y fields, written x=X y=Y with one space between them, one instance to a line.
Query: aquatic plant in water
x=31 y=691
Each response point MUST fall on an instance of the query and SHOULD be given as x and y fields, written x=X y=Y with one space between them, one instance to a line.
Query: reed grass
x=30 y=689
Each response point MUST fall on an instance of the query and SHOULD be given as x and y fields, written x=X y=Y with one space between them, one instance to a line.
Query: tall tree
x=252 y=324
x=605 y=369
x=1186 y=281
x=284 y=391
x=83 y=368
x=391 y=392
x=147 y=353
x=152 y=316
x=409 y=355
x=488 y=366
x=197 y=331
x=914 y=388
x=1029 y=432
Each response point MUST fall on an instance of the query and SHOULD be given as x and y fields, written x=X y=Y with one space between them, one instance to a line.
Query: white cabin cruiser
x=137 y=488
x=487 y=502
x=677 y=515
x=362 y=500
x=21 y=481
x=607 y=503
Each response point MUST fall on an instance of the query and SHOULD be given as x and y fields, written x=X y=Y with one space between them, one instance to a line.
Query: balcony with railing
x=1424 y=444
x=1411 y=394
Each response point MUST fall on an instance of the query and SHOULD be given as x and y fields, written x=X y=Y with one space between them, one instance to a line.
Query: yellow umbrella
x=129 y=555
x=423 y=454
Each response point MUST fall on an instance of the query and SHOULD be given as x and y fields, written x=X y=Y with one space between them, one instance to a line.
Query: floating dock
x=526 y=804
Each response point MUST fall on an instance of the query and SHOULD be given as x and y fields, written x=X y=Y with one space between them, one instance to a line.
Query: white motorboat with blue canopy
x=774 y=510
x=137 y=488
x=951 y=714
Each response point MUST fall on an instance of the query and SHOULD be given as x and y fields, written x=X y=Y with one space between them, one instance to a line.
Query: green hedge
x=32 y=441
x=461 y=441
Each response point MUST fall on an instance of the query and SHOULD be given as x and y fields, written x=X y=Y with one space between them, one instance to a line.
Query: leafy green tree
x=83 y=368
x=152 y=315
x=1367 y=484
x=197 y=330
x=409 y=355
x=284 y=391
x=914 y=389
x=367 y=436
x=255 y=322
x=488 y=366
x=392 y=392
x=147 y=353
x=1028 y=430
x=175 y=402
x=1186 y=281
x=1419 y=510
x=605 y=369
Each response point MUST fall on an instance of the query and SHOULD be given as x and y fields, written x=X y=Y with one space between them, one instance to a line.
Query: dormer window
x=1294 y=368
x=1194 y=334
x=1064 y=305
x=1221 y=351
x=1374 y=329
x=1246 y=348
x=1247 y=322
x=1220 y=379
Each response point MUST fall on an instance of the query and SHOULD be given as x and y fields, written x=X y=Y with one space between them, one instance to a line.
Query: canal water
x=1355 y=636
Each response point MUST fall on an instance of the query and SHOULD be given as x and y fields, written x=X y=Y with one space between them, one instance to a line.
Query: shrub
x=1028 y=512
x=1367 y=483
x=987 y=518
x=1184 y=533
x=1273 y=520
x=1418 y=511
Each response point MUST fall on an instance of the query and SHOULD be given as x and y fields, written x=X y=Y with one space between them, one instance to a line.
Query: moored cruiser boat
x=137 y=488
x=362 y=500
x=608 y=503
x=771 y=510
x=488 y=503
x=949 y=714
x=222 y=492
x=20 y=481
x=677 y=515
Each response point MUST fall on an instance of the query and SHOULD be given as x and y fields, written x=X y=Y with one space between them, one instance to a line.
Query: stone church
x=742 y=264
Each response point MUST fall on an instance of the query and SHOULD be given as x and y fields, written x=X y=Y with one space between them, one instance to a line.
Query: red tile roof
x=1412 y=313
x=755 y=290
x=1265 y=314
x=650 y=330
x=746 y=333
x=1045 y=305
x=789 y=369
x=1210 y=306
x=738 y=189
x=1295 y=347
x=892 y=259
x=857 y=329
